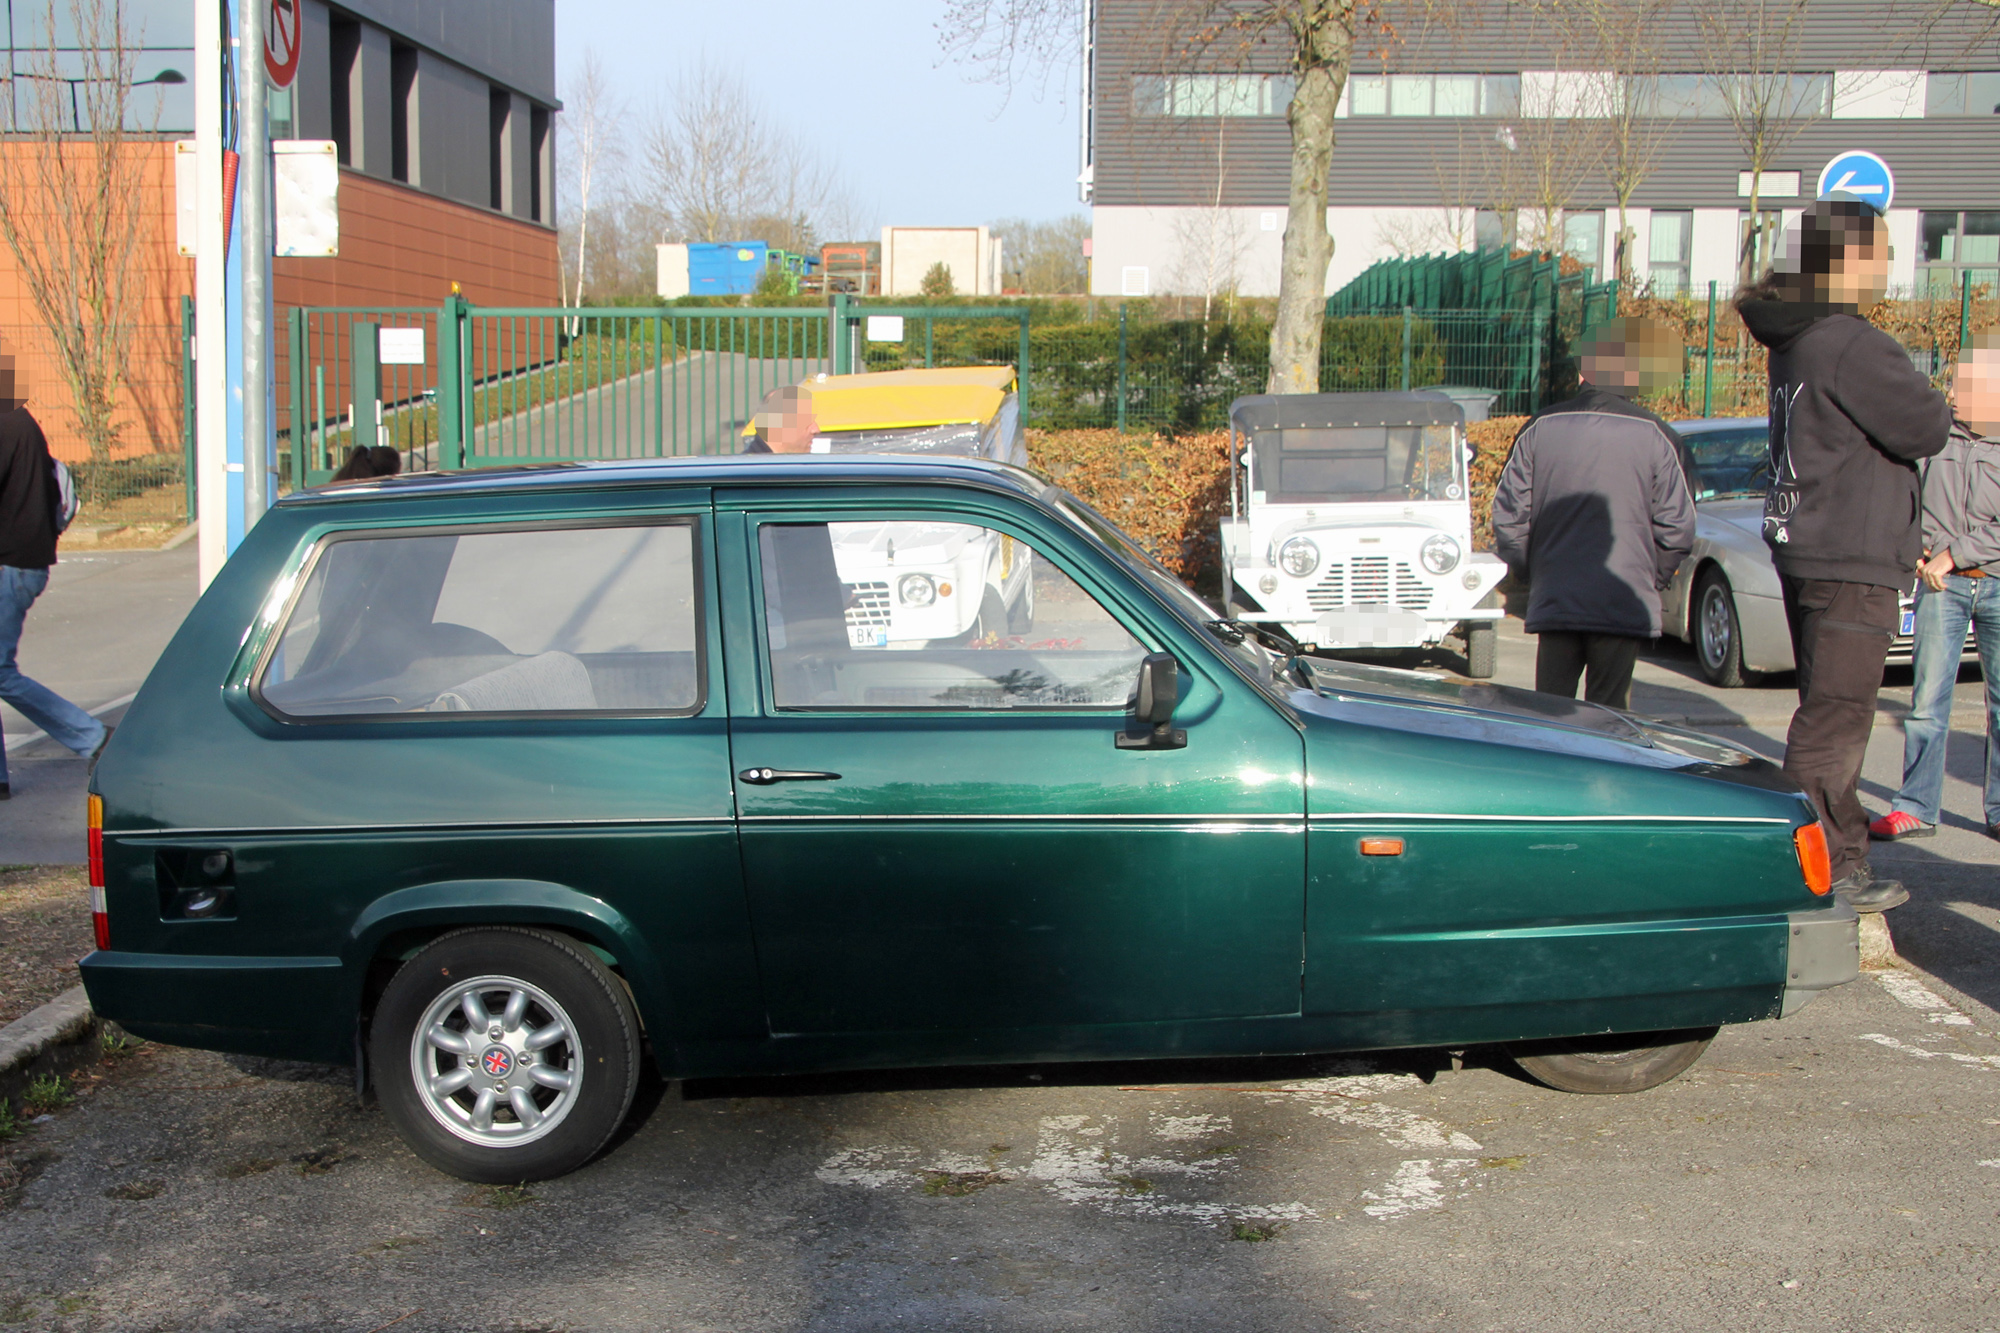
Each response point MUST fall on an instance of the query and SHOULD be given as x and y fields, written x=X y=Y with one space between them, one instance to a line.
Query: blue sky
x=862 y=80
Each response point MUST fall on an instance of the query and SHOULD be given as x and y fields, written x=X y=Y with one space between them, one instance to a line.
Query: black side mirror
x=1153 y=710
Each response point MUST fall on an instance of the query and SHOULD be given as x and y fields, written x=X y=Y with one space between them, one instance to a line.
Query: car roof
x=1709 y=425
x=695 y=470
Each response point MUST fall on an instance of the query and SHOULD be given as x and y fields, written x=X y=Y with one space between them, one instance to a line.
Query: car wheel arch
x=399 y=924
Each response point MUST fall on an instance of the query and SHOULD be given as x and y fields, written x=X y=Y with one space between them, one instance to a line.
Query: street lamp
x=165 y=76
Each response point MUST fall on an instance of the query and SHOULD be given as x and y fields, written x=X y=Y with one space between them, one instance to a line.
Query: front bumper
x=1822 y=950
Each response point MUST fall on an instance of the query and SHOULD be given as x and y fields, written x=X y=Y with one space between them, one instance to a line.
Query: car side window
x=566 y=620
x=922 y=614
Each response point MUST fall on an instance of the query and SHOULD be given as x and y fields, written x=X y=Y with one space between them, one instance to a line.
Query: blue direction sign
x=1858 y=175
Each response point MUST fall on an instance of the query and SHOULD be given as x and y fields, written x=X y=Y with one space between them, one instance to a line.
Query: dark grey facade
x=1173 y=129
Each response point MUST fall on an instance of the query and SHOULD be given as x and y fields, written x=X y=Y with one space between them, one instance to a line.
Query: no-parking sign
x=1858 y=174
x=281 y=41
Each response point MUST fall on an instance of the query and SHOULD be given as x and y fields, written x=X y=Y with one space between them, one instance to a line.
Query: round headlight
x=916 y=590
x=1440 y=554
x=1298 y=557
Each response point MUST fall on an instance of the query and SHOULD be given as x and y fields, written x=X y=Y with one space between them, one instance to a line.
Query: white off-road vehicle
x=1350 y=524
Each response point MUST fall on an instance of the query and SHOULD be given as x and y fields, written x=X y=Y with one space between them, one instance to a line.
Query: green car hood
x=1416 y=702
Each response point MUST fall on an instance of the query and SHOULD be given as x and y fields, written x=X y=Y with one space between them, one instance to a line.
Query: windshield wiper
x=1272 y=636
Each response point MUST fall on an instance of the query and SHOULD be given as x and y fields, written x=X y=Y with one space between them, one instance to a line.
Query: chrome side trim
x=946 y=816
x=1373 y=816
x=521 y=826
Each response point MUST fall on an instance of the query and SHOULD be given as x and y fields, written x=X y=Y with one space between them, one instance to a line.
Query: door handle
x=764 y=777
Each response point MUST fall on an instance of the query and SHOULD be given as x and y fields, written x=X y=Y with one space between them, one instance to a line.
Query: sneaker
x=1897 y=825
x=1859 y=889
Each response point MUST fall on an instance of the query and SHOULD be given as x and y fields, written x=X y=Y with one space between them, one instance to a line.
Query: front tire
x=1482 y=649
x=1612 y=1064
x=503 y=1054
x=1717 y=632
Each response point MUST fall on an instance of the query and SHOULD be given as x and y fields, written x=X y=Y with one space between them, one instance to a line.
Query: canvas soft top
x=1292 y=411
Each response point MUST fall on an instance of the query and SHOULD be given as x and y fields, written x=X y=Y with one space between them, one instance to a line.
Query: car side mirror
x=1159 y=691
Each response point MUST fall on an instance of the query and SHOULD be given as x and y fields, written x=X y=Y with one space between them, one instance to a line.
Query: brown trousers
x=1840 y=637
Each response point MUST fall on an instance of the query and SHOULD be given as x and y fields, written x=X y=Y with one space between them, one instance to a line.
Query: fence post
x=296 y=319
x=1964 y=308
x=840 y=348
x=1406 y=348
x=1708 y=361
x=453 y=373
x=187 y=402
x=1538 y=371
x=1121 y=366
x=659 y=386
x=1021 y=373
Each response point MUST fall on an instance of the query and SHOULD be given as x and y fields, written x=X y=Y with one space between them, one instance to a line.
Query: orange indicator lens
x=1381 y=846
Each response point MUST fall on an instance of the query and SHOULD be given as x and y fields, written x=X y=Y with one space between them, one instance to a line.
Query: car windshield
x=1734 y=462
x=1178 y=595
x=1343 y=464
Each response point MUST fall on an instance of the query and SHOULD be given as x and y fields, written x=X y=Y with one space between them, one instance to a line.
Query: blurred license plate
x=1909 y=621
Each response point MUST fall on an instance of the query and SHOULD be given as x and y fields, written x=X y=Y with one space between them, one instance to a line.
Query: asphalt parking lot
x=1839 y=1169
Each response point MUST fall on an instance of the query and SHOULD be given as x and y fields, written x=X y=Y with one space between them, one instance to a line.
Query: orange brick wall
x=398 y=246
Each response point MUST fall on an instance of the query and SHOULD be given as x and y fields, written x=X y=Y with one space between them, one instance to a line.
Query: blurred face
x=12 y=390
x=1640 y=355
x=1976 y=389
x=793 y=431
x=1860 y=275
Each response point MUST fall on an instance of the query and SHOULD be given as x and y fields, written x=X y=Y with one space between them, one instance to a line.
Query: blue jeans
x=40 y=705
x=1940 y=639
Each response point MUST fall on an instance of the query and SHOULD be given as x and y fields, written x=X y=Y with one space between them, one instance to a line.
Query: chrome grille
x=1369 y=580
x=871 y=605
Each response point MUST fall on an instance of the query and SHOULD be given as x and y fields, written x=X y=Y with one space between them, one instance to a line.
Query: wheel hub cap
x=496 y=1061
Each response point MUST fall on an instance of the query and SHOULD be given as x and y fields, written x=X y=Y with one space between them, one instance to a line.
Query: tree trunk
x=1324 y=33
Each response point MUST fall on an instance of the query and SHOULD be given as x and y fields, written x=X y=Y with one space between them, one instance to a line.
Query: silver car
x=1724 y=600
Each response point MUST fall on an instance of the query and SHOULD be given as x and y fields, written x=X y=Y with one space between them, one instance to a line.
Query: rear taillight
x=100 y=921
x=1810 y=839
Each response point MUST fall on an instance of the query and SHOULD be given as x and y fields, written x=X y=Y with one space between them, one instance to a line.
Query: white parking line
x=1913 y=994
x=1881 y=1039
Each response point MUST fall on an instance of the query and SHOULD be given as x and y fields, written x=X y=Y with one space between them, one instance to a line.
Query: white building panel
x=1879 y=94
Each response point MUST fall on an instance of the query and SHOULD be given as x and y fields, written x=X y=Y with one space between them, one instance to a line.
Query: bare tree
x=592 y=153
x=1557 y=142
x=73 y=207
x=716 y=170
x=1625 y=39
x=1210 y=243
x=1750 y=52
x=1045 y=258
x=1009 y=39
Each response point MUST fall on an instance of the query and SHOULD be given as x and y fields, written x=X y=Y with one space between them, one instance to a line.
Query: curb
x=34 y=1042
x=1878 y=946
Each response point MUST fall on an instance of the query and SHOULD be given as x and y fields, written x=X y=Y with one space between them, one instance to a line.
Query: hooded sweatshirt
x=1962 y=500
x=1849 y=418
x=27 y=493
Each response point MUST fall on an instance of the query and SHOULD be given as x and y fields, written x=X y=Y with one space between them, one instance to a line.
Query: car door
x=943 y=834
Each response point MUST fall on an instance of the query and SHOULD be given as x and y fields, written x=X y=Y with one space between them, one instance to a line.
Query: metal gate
x=464 y=386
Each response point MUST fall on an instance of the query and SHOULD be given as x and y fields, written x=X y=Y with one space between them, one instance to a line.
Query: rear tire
x=1482 y=649
x=537 y=1100
x=1717 y=633
x=1612 y=1064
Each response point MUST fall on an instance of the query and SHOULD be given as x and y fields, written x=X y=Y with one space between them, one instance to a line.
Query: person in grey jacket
x=1593 y=512
x=1959 y=586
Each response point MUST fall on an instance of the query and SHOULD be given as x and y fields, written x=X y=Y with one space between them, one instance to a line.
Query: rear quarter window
x=537 y=621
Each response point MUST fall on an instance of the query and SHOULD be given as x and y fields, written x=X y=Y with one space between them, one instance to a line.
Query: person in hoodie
x=1850 y=418
x=1593 y=512
x=1959 y=586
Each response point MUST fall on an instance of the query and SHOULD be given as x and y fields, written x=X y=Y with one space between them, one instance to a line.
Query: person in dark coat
x=1593 y=512
x=28 y=504
x=1850 y=418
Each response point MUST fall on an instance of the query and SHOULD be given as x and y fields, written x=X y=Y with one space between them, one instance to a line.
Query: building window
x=1975 y=94
x=1707 y=96
x=1209 y=95
x=1667 y=252
x=539 y=173
x=403 y=159
x=1431 y=95
x=1955 y=244
x=499 y=163
x=343 y=54
x=1583 y=238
